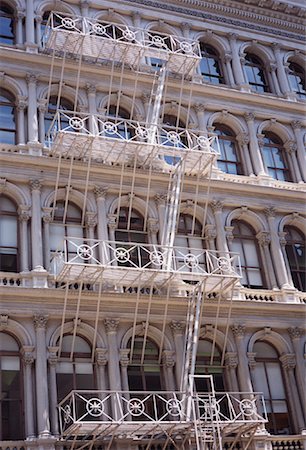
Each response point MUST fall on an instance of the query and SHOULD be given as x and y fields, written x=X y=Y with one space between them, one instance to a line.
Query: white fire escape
x=186 y=419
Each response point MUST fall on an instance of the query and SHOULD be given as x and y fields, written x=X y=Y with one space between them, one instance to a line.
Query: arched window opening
x=210 y=65
x=245 y=243
x=255 y=73
x=7 y=118
x=274 y=157
x=229 y=159
x=122 y=129
x=297 y=82
x=173 y=135
x=64 y=105
x=159 y=41
x=76 y=373
x=267 y=378
x=206 y=365
x=130 y=230
x=7 y=25
x=11 y=402
x=9 y=261
x=63 y=227
x=295 y=250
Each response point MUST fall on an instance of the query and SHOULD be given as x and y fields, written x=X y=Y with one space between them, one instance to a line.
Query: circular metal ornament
x=158 y=41
x=67 y=22
x=135 y=407
x=247 y=407
x=186 y=47
x=76 y=123
x=173 y=137
x=110 y=127
x=122 y=255
x=84 y=252
x=98 y=28
x=94 y=407
x=173 y=407
x=141 y=132
x=156 y=258
x=129 y=35
x=191 y=260
x=202 y=141
x=224 y=264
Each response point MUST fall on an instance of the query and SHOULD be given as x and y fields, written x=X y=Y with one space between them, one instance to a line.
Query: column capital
x=288 y=361
x=20 y=13
x=112 y=221
x=146 y=97
x=233 y=36
x=35 y=185
x=31 y=77
x=229 y=232
x=231 y=360
x=210 y=231
x=270 y=211
x=161 y=199
x=290 y=146
x=272 y=66
x=228 y=57
x=42 y=105
x=91 y=219
x=168 y=358
x=177 y=327
x=199 y=107
x=90 y=88
x=249 y=116
x=4 y=318
x=100 y=191
x=23 y=213
x=53 y=356
x=282 y=238
x=238 y=330
x=295 y=332
x=216 y=206
x=264 y=238
x=47 y=214
x=296 y=124
x=243 y=138
x=40 y=320
x=251 y=359
x=101 y=356
x=276 y=46
x=111 y=325
x=186 y=26
x=153 y=225
x=27 y=353
x=124 y=357
x=22 y=102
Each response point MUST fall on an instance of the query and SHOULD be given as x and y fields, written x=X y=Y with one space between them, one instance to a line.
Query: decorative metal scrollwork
x=202 y=142
x=136 y=407
x=173 y=407
x=122 y=255
x=67 y=22
x=129 y=35
x=224 y=264
x=186 y=47
x=94 y=407
x=84 y=252
x=67 y=414
x=191 y=261
x=76 y=123
x=247 y=407
x=158 y=41
x=173 y=137
x=98 y=28
x=141 y=132
x=110 y=128
x=156 y=258
x=210 y=408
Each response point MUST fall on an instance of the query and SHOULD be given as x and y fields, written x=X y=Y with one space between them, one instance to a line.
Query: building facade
x=152 y=224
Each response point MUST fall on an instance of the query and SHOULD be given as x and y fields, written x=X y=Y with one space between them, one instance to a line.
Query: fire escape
x=181 y=157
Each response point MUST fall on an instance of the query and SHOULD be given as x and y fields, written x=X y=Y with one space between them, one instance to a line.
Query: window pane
x=275 y=380
x=254 y=277
x=57 y=234
x=250 y=253
x=8 y=231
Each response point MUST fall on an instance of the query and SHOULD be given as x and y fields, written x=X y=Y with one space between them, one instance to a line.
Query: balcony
x=115 y=141
x=98 y=41
x=135 y=265
x=142 y=415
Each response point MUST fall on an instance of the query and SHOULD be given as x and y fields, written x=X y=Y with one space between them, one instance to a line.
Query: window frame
x=298 y=274
x=225 y=133
x=296 y=71
x=275 y=143
x=4 y=213
x=209 y=53
x=11 y=103
x=9 y=14
x=260 y=83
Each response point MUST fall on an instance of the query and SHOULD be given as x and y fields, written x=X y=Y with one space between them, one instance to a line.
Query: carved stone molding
x=91 y=219
x=249 y=116
x=153 y=225
x=231 y=360
x=112 y=221
x=111 y=325
x=177 y=327
x=27 y=355
x=295 y=332
x=288 y=361
x=101 y=356
x=124 y=357
x=100 y=191
x=264 y=238
x=3 y=321
x=35 y=185
x=23 y=213
x=161 y=199
x=53 y=356
x=238 y=330
x=270 y=211
x=168 y=358
x=216 y=206
x=251 y=359
x=40 y=320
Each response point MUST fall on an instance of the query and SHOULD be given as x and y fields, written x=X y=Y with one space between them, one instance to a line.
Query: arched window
x=131 y=230
x=295 y=250
x=296 y=77
x=123 y=130
x=267 y=378
x=229 y=159
x=144 y=372
x=75 y=373
x=274 y=157
x=161 y=41
x=255 y=73
x=11 y=407
x=172 y=135
x=8 y=236
x=64 y=105
x=7 y=118
x=63 y=227
x=7 y=25
x=210 y=65
x=206 y=365
x=245 y=243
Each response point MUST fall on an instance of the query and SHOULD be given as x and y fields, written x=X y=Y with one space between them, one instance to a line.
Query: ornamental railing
x=136 y=256
x=98 y=407
x=75 y=128
x=84 y=27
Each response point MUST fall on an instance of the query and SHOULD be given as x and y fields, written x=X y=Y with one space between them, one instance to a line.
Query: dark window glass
x=64 y=105
x=274 y=157
x=296 y=77
x=245 y=243
x=8 y=236
x=268 y=378
x=210 y=65
x=11 y=418
x=295 y=250
x=255 y=73
x=171 y=125
x=7 y=118
x=7 y=33
x=229 y=160
x=208 y=365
